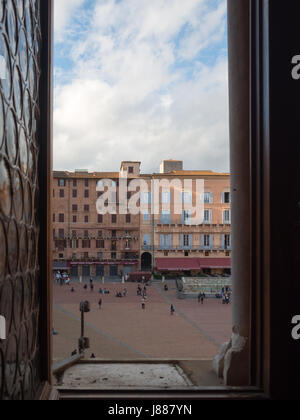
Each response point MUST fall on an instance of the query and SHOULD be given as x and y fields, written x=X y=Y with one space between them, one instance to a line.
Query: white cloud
x=63 y=13
x=129 y=97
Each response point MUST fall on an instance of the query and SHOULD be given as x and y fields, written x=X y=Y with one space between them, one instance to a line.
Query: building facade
x=158 y=232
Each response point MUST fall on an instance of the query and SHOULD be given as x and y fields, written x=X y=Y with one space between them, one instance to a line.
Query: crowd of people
x=62 y=278
x=142 y=291
x=121 y=294
x=226 y=295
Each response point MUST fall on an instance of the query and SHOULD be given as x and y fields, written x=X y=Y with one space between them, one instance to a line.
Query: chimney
x=168 y=166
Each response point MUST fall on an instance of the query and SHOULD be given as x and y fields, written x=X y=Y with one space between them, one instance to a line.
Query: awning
x=215 y=262
x=177 y=264
x=191 y=264
x=116 y=262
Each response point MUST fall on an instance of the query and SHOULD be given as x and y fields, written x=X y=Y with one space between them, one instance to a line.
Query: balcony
x=204 y=225
x=190 y=248
x=131 y=256
x=146 y=247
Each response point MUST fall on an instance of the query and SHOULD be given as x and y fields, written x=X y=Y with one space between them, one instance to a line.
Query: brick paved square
x=122 y=330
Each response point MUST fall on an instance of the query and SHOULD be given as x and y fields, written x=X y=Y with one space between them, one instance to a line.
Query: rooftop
x=114 y=175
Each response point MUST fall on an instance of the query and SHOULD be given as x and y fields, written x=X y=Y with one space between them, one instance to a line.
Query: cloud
x=141 y=88
x=64 y=11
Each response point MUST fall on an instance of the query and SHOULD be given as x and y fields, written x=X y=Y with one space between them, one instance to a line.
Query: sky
x=140 y=80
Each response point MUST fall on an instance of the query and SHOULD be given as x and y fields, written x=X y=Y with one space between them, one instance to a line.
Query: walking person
x=202 y=297
x=143 y=304
x=100 y=303
x=172 y=310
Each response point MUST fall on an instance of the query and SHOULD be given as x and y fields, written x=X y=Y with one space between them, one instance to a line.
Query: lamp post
x=83 y=342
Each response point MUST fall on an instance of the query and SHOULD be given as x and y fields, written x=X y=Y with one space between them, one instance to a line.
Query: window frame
x=208 y=198
x=226 y=220
x=210 y=218
x=267 y=349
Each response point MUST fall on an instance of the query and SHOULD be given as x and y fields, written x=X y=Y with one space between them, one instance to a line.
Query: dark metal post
x=84 y=342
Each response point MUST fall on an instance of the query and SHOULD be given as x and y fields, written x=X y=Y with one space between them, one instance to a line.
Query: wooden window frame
x=46 y=187
x=267 y=53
